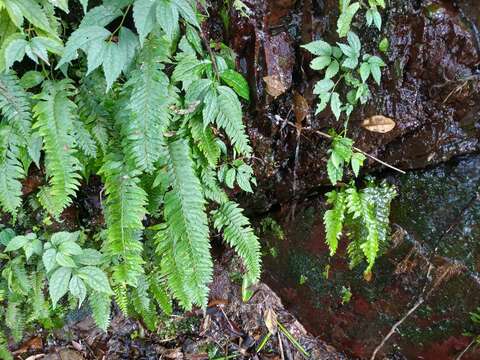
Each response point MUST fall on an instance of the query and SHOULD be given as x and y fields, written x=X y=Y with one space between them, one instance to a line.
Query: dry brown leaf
x=300 y=107
x=275 y=86
x=270 y=319
x=34 y=343
x=378 y=123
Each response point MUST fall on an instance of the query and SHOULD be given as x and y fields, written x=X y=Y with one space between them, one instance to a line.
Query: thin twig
x=280 y=344
x=325 y=135
x=212 y=55
x=466 y=349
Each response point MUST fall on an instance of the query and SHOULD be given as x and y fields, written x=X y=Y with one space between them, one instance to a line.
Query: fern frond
x=124 y=211
x=230 y=119
x=55 y=114
x=334 y=218
x=5 y=354
x=160 y=294
x=100 y=304
x=205 y=141
x=11 y=170
x=238 y=233
x=14 y=104
x=148 y=88
x=84 y=139
x=185 y=215
x=211 y=187
x=14 y=317
x=142 y=304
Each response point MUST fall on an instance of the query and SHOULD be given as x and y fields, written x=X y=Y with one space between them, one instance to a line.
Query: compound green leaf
x=58 y=284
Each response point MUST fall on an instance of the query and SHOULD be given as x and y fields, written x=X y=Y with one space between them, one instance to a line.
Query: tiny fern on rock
x=152 y=112
x=346 y=71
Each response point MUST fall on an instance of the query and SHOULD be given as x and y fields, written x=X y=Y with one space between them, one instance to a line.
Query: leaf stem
x=121 y=23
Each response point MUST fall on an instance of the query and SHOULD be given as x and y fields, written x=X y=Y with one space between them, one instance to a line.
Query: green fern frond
x=84 y=139
x=100 y=304
x=159 y=292
x=211 y=187
x=14 y=317
x=205 y=141
x=14 y=104
x=124 y=211
x=238 y=233
x=11 y=170
x=334 y=218
x=148 y=89
x=55 y=114
x=142 y=304
x=120 y=294
x=185 y=215
x=230 y=119
x=171 y=265
x=5 y=354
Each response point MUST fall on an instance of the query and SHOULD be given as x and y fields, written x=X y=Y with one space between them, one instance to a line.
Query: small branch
x=212 y=55
x=325 y=135
x=466 y=349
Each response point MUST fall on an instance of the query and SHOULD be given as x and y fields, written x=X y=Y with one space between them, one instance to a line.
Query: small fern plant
x=363 y=212
x=152 y=108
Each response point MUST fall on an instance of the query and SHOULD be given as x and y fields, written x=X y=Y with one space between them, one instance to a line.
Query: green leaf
x=31 y=79
x=15 y=51
x=364 y=71
x=323 y=86
x=63 y=236
x=384 y=45
x=336 y=104
x=167 y=17
x=19 y=242
x=95 y=279
x=319 y=47
x=348 y=50
x=333 y=220
x=65 y=260
x=79 y=39
x=70 y=248
x=144 y=14
x=377 y=19
x=89 y=257
x=320 y=63
x=230 y=119
x=237 y=82
x=332 y=69
x=58 y=284
x=187 y=11
x=78 y=289
x=350 y=63
x=84 y=5
x=230 y=177
x=334 y=174
x=376 y=73
x=345 y=19
x=32 y=12
x=354 y=42
x=357 y=162
x=113 y=63
x=369 y=17
x=49 y=259
x=34 y=247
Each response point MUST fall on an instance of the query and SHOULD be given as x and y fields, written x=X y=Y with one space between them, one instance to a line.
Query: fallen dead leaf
x=378 y=123
x=300 y=108
x=34 y=343
x=35 y=357
x=270 y=319
x=275 y=86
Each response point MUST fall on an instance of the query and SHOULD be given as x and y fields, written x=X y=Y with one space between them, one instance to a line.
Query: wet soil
x=230 y=329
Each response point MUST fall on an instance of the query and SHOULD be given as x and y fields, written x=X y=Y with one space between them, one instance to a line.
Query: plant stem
x=321 y=133
x=121 y=23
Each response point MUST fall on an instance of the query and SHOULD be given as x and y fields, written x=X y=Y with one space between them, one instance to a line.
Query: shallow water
x=436 y=220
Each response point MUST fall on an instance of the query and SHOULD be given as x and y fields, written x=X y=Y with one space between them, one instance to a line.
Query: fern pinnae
x=11 y=170
x=14 y=104
x=185 y=215
x=125 y=208
x=238 y=233
x=334 y=218
x=54 y=115
x=149 y=104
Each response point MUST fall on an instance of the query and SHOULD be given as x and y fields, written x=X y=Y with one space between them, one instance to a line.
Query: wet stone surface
x=430 y=88
x=436 y=221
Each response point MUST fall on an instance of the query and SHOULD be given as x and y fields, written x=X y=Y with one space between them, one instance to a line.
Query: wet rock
x=430 y=88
